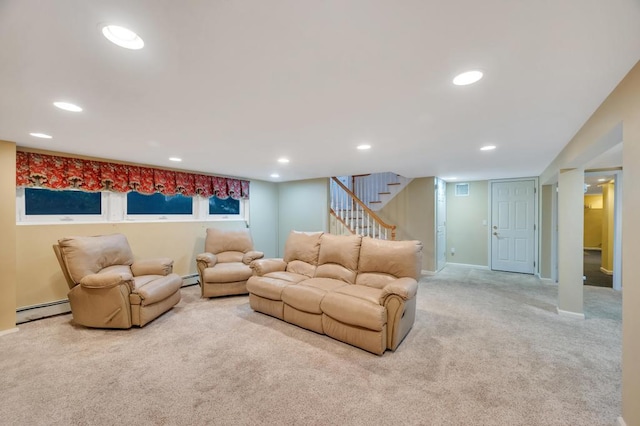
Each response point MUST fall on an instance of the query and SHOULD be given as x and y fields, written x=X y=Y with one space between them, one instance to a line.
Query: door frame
x=536 y=220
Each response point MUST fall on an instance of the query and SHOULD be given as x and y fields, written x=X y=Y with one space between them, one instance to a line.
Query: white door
x=441 y=221
x=512 y=226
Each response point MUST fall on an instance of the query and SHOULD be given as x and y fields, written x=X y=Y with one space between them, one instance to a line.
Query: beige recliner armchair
x=109 y=289
x=224 y=266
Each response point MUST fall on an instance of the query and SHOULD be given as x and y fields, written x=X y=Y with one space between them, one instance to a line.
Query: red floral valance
x=54 y=172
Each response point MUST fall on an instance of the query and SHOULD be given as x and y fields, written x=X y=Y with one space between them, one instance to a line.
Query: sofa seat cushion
x=227 y=273
x=267 y=287
x=307 y=295
x=286 y=276
x=356 y=305
x=155 y=289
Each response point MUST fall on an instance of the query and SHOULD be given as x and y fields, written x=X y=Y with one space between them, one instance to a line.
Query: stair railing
x=356 y=216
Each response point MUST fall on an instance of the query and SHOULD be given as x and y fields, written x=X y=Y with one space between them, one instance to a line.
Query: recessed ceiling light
x=41 y=135
x=275 y=175
x=450 y=178
x=67 y=106
x=468 y=77
x=488 y=148
x=176 y=159
x=364 y=146
x=283 y=160
x=601 y=180
x=123 y=37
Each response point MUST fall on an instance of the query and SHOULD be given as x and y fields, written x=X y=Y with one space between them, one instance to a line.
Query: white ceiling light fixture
x=601 y=180
x=364 y=147
x=467 y=78
x=67 y=106
x=275 y=175
x=176 y=159
x=488 y=148
x=41 y=135
x=122 y=37
x=283 y=160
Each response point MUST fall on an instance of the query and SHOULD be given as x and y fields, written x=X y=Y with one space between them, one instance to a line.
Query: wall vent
x=462 y=189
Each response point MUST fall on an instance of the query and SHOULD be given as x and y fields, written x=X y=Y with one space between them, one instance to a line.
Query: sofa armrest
x=107 y=280
x=159 y=266
x=206 y=260
x=252 y=255
x=264 y=266
x=406 y=288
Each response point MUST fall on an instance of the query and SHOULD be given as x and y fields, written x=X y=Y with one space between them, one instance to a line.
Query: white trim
x=569 y=314
x=468 y=265
x=34 y=312
x=9 y=331
x=621 y=422
x=547 y=280
x=428 y=273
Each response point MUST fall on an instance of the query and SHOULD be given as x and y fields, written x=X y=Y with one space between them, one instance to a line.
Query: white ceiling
x=231 y=86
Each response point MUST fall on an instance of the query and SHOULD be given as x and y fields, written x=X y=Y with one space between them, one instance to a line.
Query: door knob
x=495 y=233
x=495 y=227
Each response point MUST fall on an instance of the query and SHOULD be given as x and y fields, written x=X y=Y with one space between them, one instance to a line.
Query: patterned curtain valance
x=54 y=172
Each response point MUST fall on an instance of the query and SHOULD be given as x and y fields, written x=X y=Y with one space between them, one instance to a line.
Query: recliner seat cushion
x=267 y=287
x=307 y=295
x=227 y=272
x=356 y=305
x=156 y=290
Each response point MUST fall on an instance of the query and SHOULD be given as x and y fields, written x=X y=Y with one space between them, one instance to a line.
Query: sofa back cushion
x=301 y=252
x=382 y=261
x=338 y=257
x=89 y=255
x=219 y=240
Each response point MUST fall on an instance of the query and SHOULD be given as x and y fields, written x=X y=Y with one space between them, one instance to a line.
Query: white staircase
x=356 y=199
x=377 y=189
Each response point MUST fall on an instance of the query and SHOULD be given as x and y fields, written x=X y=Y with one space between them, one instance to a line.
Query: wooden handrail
x=364 y=207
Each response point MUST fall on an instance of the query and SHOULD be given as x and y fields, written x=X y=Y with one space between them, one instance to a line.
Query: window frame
x=23 y=217
x=114 y=210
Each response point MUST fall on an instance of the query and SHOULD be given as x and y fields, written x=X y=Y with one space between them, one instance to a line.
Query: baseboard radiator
x=44 y=310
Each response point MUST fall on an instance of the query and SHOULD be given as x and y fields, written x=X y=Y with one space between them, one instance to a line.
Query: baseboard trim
x=44 y=310
x=569 y=314
x=428 y=273
x=35 y=312
x=606 y=271
x=468 y=265
x=621 y=422
x=9 y=331
x=593 y=248
x=547 y=280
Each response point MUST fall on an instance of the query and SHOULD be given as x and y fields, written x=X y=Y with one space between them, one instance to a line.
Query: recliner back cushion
x=89 y=255
x=382 y=261
x=218 y=240
x=301 y=252
x=302 y=246
x=338 y=257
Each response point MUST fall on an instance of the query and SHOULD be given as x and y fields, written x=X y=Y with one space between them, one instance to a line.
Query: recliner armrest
x=252 y=255
x=107 y=280
x=159 y=266
x=207 y=260
x=264 y=266
x=405 y=287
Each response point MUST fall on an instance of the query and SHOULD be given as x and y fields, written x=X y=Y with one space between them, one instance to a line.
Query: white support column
x=570 y=243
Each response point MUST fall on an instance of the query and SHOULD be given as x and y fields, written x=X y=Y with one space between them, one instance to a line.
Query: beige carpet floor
x=487 y=348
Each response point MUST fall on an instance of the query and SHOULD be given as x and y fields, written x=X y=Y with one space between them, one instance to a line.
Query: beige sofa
x=358 y=290
x=109 y=289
